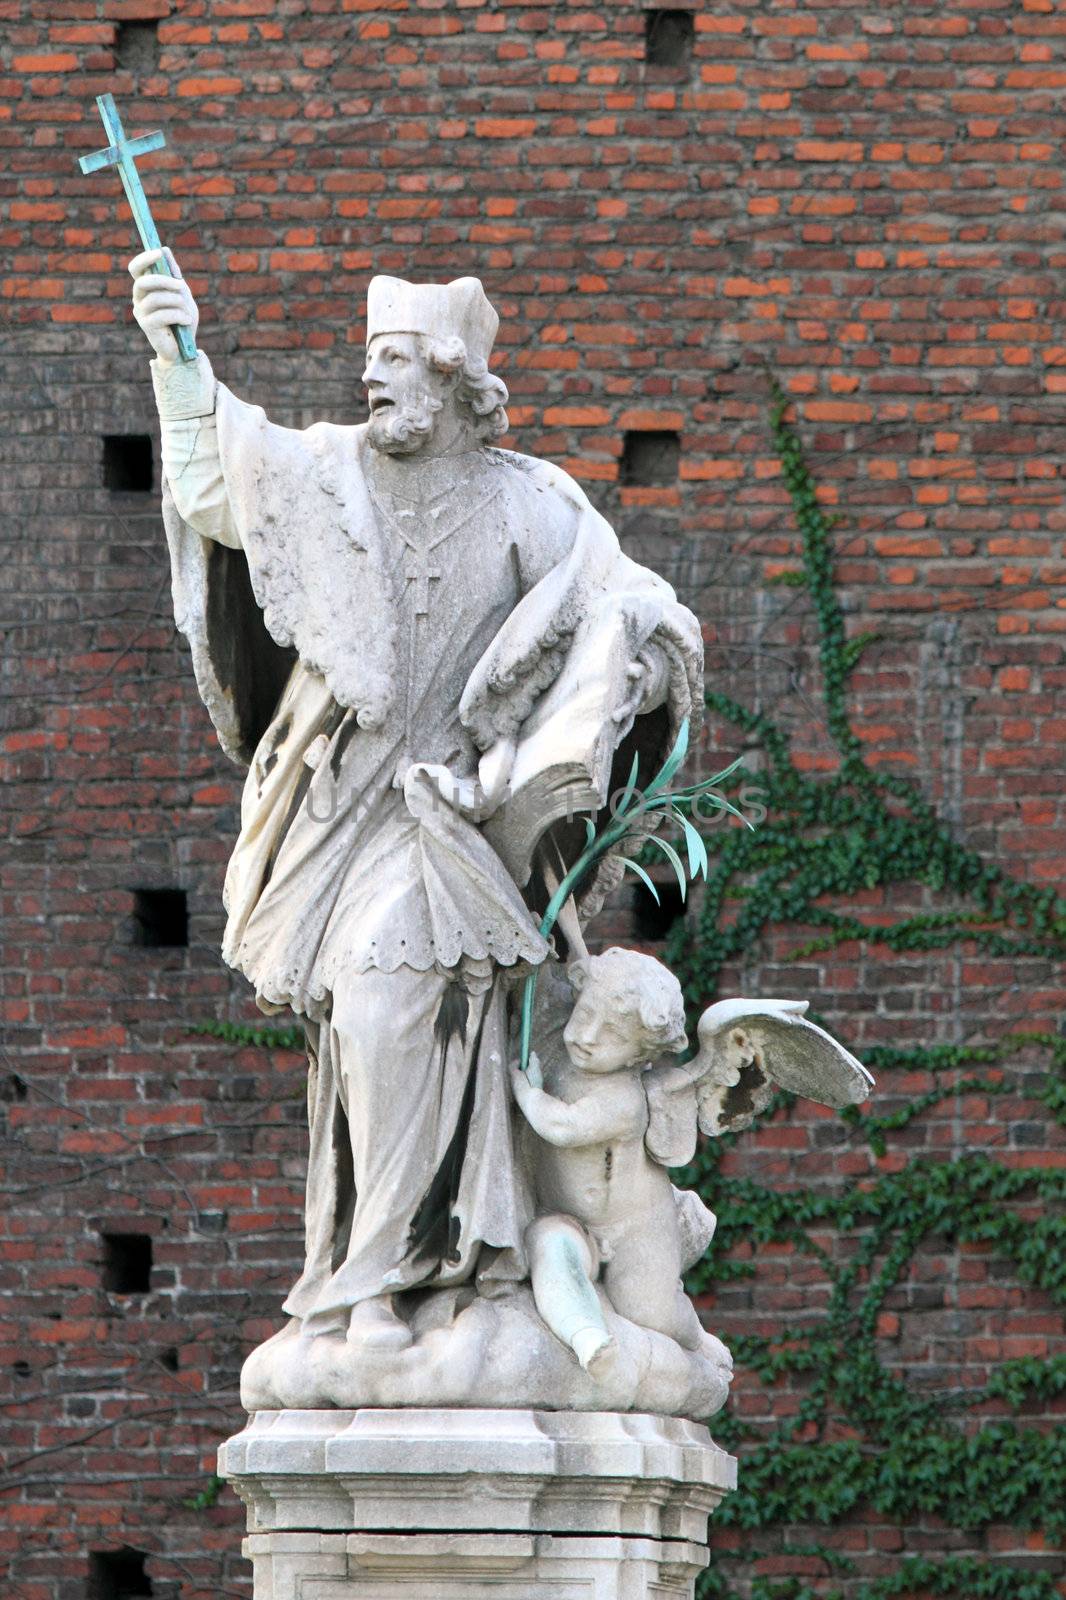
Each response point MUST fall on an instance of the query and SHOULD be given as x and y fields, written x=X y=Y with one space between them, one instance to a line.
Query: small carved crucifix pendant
x=418 y=571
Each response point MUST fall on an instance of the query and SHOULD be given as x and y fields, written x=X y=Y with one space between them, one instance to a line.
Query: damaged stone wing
x=751 y=1048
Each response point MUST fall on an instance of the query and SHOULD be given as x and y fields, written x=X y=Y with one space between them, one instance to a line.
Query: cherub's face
x=600 y=1037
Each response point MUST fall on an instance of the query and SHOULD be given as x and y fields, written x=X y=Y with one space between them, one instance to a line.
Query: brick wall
x=863 y=201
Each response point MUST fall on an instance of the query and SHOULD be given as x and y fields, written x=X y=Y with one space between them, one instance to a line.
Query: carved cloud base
x=470 y=1351
x=475 y=1505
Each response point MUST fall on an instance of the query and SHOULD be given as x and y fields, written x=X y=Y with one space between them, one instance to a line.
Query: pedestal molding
x=415 y=1504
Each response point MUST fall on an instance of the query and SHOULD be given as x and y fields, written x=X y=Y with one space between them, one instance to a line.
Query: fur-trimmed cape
x=311 y=581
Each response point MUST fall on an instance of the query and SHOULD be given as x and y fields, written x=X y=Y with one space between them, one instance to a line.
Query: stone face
x=372 y=1505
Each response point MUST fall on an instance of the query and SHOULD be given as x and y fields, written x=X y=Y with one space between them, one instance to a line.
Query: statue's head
x=427 y=367
x=629 y=1008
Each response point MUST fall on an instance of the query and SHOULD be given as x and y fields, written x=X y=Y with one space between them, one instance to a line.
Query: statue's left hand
x=464 y=795
x=475 y=797
x=494 y=771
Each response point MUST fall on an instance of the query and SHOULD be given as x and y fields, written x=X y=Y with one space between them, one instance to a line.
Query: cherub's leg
x=562 y=1267
x=645 y=1286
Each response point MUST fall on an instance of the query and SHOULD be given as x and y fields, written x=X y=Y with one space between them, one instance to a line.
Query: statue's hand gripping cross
x=122 y=153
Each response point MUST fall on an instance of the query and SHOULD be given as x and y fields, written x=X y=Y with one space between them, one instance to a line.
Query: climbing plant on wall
x=858 y=1436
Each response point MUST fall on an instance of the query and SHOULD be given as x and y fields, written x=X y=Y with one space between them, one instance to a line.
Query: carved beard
x=400 y=430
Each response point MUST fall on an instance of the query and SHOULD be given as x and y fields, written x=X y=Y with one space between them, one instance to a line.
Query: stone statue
x=430 y=654
x=608 y=1123
x=604 y=1200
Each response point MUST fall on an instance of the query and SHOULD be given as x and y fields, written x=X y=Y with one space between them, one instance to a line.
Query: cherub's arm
x=594 y=1120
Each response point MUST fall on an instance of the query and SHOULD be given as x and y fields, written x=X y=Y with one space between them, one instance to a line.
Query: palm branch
x=659 y=800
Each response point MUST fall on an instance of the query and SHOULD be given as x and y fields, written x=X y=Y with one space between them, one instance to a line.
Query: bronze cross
x=417 y=570
x=122 y=153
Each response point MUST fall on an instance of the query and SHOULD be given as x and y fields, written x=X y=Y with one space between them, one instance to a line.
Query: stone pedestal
x=475 y=1505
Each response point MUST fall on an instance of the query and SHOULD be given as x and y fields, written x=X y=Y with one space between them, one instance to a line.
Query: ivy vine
x=859 y=1437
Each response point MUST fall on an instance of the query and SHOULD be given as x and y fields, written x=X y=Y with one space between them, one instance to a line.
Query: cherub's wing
x=671 y=1136
x=749 y=1048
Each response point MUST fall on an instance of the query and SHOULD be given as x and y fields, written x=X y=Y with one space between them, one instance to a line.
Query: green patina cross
x=122 y=153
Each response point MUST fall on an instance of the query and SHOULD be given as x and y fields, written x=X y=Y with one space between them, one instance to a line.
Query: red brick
x=852 y=200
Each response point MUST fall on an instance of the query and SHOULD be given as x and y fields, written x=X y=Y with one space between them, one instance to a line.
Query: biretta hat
x=442 y=310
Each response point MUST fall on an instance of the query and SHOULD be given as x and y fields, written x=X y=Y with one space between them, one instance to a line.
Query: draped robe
x=355 y=620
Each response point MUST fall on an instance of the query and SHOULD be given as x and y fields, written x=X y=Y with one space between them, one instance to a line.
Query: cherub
x=608 y=1124
x=605 y=1201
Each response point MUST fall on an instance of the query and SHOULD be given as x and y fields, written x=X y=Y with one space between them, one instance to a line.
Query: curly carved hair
x=641 y=988
x=478 y=389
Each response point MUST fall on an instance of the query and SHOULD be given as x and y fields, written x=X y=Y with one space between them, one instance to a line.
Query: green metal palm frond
x=673 y=805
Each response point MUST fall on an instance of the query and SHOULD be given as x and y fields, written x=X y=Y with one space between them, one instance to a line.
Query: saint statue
x=428 y=652
x=460 y=708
